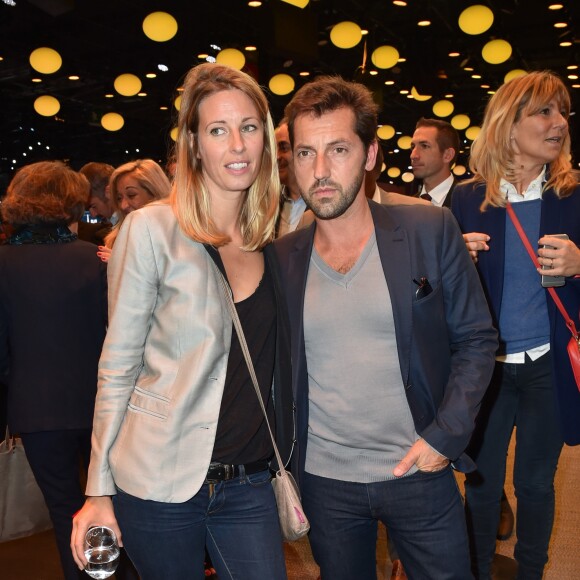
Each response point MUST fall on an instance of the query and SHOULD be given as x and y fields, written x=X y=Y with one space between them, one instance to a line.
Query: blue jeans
x=423 y=514
x=238 y=523
x=519 y=395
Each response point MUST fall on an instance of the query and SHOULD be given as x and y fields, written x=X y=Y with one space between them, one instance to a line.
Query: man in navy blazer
x=392 y=349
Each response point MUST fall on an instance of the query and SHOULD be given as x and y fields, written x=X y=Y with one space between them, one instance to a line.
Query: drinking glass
x=101 y=552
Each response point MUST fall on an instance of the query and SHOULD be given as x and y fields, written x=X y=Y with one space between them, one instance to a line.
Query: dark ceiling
x=101 y=39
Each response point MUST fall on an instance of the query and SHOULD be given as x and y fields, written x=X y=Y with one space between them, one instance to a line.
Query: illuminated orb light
x=231 y=57
x=297 y=3
x=127 y=85
x=404 y=142
x=460 y=122
x=160 y=26
x=383 y=166
x=345 y=34
x=514 y=74
x=393 y=172
x=472 y=132
x=415 y=94
x=281 y=84
x=496 y=51
x=385 y=132
x=177 y=102
x=112 y=121
x=46 y=106
x=459 y=170
x=443 y=108
x=385 y=56
x=407 y=177
x=476 y=19
x=174 y=132
x=45 y=60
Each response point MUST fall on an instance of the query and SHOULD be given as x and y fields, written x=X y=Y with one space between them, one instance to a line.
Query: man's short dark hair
x=447 y=136
x=330 y=93
x=98 y=175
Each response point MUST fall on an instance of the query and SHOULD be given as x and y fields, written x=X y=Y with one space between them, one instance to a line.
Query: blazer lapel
x=393 y=246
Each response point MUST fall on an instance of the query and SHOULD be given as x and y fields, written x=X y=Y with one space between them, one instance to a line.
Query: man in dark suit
x=392 y=349
x=434 y=149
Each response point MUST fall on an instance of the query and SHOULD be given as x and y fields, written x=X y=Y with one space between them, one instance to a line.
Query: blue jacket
x=559 y=216
x=445 y=341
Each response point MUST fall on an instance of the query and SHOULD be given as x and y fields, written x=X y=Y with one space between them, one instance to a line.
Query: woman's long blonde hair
x=492 y=153
x=190 y=196
x=150 y=177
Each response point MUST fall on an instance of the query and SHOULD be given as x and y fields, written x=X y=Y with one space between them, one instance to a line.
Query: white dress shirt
x=439 y=193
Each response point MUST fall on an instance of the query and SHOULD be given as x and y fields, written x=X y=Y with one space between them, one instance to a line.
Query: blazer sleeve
x=133 y=286
x=472 y=343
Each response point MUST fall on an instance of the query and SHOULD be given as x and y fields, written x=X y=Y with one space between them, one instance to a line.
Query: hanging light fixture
x=127 y=85
x=385 y=56
x=475 y=19
x=47 y=106
x=160 y=26
x=460 y=122
x=345 y=34
x=281 y=84
x=459 y=170
x=112 y=121
x=297 y=3
x=443 y=108
x=393 y=172
x=45 y=60
x=496 y=51
x=385 y=132
x=415 y=94
x=174 y=133
x=404 y=142
x=231 y=57
x=472 y=132
x=514 y=74
x=407 y=177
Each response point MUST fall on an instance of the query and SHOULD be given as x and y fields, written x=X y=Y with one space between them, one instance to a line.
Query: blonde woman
x=522 y=156
x=132 y=186
x=181 y=452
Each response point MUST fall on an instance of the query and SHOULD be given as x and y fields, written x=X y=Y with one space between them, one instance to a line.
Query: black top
x=242 y=435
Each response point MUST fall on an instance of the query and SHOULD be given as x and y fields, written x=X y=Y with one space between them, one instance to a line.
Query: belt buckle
x=219 y=472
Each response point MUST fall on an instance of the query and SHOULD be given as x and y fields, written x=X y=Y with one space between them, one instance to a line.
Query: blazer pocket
x=149 y=403
x=429 y=298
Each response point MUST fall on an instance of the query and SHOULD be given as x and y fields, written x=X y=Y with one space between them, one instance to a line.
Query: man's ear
x=371 y=155
x=449 y=154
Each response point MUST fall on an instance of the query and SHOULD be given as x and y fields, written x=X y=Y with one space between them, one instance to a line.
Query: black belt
x=217 y=472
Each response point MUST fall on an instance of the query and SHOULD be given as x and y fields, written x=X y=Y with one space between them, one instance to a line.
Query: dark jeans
x=238 y=522
x=55 y=459
x=423 y=514
x=519 y=395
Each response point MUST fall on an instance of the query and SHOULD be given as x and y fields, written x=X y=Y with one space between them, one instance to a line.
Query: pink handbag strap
x=528 y=246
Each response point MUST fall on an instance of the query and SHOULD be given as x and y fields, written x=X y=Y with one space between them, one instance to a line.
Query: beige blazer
x=163 y=366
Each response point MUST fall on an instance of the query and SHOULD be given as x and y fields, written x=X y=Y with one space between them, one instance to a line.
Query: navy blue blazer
x=445 y=341
x=559 y=216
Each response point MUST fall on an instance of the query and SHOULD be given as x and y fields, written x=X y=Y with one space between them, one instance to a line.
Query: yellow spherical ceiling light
x=393 y=172
x=385 y=132
x=174 y=133
x=460 y=122
x=385 y=56
x=127 y=85
x=415 y=94
x=231 y=57
x=476 y=19
x=281 y=84
x=443 y=108
x=496 y=51
x=112 y=121
x=407 y=177
x=45 y=60
x=345 y=34
x=404 y=142
x=177 y=102
x=459 y=170
x=472 y=132
x=160 y=26
x=514 y=74
x=46 y=106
